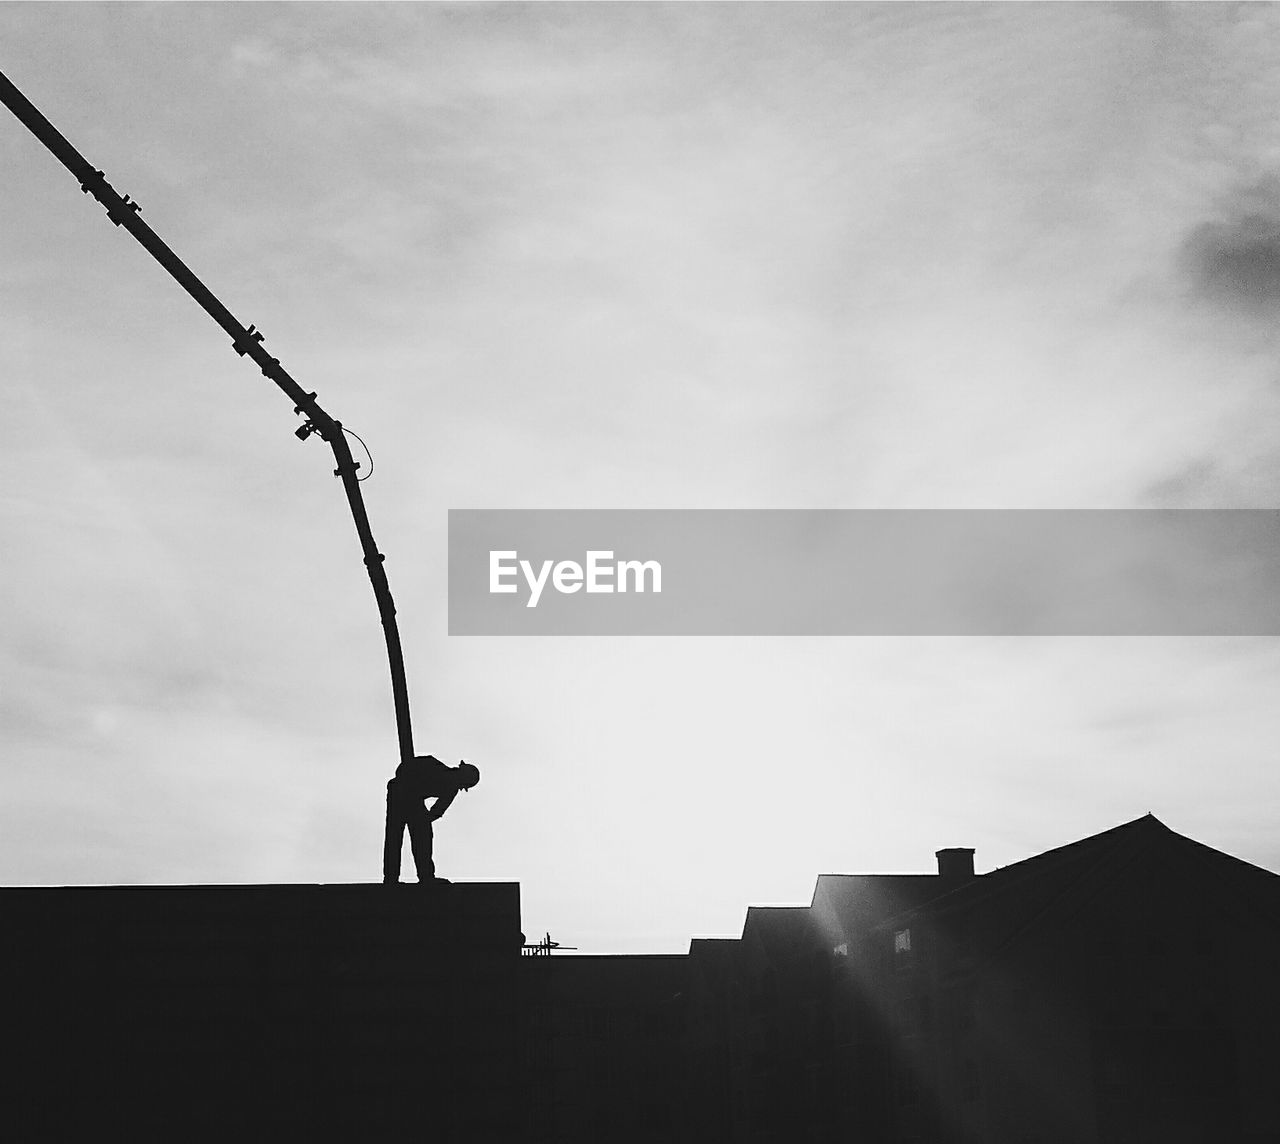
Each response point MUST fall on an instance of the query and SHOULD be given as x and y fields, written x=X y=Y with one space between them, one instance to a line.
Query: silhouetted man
x=415 y=781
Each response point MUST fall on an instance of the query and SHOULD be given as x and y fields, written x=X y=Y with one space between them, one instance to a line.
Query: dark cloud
x=1236 y=262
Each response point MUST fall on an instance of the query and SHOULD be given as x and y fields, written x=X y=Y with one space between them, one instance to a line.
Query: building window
x=902 y=941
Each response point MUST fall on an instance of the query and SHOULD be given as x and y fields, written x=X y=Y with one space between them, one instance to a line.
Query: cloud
x=1235 y=261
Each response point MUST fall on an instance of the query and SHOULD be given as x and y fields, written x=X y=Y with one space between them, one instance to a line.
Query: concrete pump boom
x=246 y=341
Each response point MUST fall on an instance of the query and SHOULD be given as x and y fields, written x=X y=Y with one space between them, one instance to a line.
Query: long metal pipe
x=246 y=341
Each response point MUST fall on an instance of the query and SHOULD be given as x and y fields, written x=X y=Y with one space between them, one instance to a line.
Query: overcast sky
x=616 y=256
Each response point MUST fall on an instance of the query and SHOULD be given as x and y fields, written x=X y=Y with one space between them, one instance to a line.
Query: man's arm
x=441 y=805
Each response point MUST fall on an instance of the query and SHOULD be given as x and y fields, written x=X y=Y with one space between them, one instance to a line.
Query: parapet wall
x=203 y=1010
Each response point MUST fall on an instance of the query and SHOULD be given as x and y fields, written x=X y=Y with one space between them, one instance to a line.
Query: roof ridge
x=1132 y=825
x=1081 y=883
x=1005 y=877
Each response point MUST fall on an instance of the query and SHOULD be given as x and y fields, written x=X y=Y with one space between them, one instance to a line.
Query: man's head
x=468 y=776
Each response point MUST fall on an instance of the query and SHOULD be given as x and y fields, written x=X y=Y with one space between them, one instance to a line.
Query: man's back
x=425 y=776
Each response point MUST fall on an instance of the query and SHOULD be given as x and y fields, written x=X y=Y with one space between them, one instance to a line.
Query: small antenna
x=544 y=947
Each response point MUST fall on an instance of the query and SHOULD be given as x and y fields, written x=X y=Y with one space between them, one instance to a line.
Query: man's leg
x=394 y=837
x=420 y=840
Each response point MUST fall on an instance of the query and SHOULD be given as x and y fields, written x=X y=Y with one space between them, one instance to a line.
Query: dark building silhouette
x=607 y=1038
x=262 y=1012
x=1119 y=989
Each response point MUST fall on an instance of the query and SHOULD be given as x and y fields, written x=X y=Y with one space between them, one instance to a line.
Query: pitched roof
x=1056 y=881
x=1061 y=865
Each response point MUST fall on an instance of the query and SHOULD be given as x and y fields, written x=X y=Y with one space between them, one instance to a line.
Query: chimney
x=955 y=864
